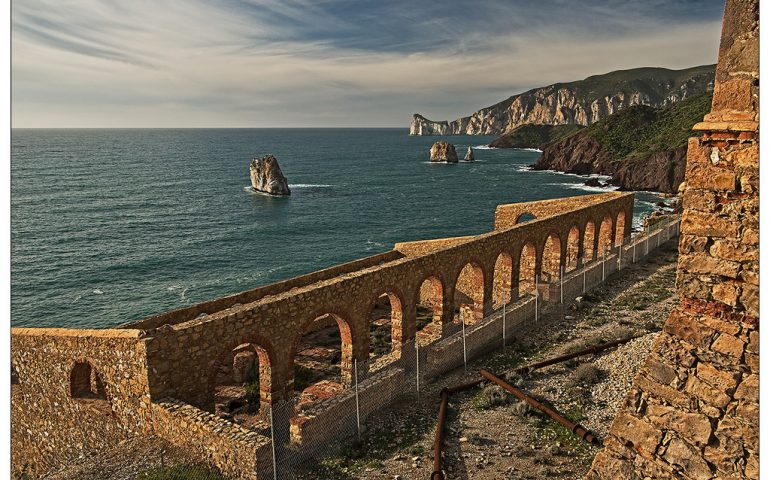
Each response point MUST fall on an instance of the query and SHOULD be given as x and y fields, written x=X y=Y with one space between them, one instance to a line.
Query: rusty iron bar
x=438 y=473
x=569 y=356
x=575 y=428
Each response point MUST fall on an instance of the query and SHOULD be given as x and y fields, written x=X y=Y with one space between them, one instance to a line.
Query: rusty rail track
x=575 y=428
x=438 y=473
x=569 y=356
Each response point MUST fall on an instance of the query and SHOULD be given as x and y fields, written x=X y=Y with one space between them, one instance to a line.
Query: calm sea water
x=110 y=226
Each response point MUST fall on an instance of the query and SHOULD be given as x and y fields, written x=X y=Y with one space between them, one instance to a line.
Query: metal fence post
x=604 y=260
x=561 y=285
x=465 y=354
x=417 y=365
x=620 y=253
x=633 y=255
x=272 y=440
x=584 y=279
x=358 y=412
x=536 y=295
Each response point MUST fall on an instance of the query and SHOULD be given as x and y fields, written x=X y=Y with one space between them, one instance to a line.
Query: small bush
x=492 y=396
x=585 y=375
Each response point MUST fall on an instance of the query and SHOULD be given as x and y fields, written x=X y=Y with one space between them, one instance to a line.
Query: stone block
x=728 y=345
x=688 y=459
x=727 y=293
x=639 y=433
x=694 y=427
x=734 y=250
x=687 y=327
x=722 y=380
x=708 y=225
x=706 y=264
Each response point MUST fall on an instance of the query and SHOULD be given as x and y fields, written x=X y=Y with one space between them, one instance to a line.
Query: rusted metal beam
x=438 y=473
x=563 y=358
x=575 y=428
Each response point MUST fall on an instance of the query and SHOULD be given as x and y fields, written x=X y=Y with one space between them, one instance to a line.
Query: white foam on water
x=97 y=292
x=310 y=185
x=485 y=147
x=586 y=188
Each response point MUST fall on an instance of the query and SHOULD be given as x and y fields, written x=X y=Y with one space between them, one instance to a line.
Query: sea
x=111 y=226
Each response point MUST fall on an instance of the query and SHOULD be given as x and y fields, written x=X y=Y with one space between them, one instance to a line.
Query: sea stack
x=469 y=155
x=443 y=152
x=266 y=176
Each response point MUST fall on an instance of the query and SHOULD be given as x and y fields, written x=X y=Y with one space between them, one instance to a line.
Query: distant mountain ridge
x=582 y=102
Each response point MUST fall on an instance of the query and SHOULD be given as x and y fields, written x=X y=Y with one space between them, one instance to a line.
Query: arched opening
x=525 y=217
x=589 y=237
x=573 y=249
x=323 y=360
x=527 y=262
x=242 y=382
x=502 y=281
x=605 y=236
x=86 y=383
x=469 y=294
x=385 y=327
x=620 y=228
x=551 y=264
x=430 y=309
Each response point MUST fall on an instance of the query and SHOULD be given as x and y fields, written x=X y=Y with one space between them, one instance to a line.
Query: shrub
x=585 y=375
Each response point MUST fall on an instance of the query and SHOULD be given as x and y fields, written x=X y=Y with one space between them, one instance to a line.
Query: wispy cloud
x=325 y=63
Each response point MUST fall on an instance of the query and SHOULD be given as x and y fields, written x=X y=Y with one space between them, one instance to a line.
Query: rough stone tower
x=693 y=410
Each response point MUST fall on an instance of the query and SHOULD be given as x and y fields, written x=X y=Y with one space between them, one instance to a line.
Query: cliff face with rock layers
x=580 y=103
x=642 y=148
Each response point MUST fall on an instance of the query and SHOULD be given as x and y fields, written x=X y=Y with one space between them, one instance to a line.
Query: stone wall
x=693 y=410
x=238 y=452
x=50 y=426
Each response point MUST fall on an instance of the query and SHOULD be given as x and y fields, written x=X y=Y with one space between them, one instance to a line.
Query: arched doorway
x=589 y=238
x=469 y=294
x=605 y=236
x=551 y=259
x=430 y=309
x=573 y=249
x=385 y=330
x=620 y=228
x=242 y=381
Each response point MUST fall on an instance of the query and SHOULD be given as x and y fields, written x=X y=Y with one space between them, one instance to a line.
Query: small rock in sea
x=593 y=182
x=267 y=177
x=469 y=157
x=442 y=151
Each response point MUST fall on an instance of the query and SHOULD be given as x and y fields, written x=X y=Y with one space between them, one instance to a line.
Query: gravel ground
x=488 y=435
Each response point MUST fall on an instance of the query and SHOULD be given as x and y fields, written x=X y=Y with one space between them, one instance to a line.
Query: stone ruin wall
x=50 y=427
x=148 y=369
x=693 y=410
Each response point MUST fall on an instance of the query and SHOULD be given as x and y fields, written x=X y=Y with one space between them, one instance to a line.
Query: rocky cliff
x=643 y=148
x=267 y=177
x=533 y=136
x=582 y=102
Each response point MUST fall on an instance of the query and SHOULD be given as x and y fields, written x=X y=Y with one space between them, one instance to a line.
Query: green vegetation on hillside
x=641 y=131
x=534 y=136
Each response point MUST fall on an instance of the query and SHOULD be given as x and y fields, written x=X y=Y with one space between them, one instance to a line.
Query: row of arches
x=323 y=355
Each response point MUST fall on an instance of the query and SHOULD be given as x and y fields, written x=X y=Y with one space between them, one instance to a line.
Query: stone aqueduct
x=93 y=388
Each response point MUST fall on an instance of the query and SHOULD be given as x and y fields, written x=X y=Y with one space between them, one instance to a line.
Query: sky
x=326 y=63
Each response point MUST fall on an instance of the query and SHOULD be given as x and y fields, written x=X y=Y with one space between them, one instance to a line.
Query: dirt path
x=489 y=436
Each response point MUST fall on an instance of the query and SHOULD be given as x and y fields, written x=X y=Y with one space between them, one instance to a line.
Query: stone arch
x=86 y=382
x=606 y=235
x=469 y=292
x=572 y=253
x=386 y=329
x=429 y=308
x=242 y=376
x=314 y=353
x=525 y=217
x=551 y=258
x=589 y=241
x=502 y=280
x=620 y=227
x=527 y=269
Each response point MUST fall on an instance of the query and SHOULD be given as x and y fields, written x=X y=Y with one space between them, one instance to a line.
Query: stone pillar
x=694 y=407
